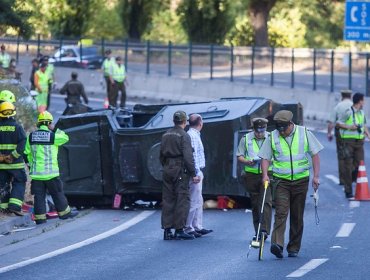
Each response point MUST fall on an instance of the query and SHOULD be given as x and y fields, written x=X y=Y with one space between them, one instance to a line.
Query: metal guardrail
x=316 y=69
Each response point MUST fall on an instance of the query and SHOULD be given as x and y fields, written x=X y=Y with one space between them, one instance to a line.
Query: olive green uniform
x=176 y=157
x=339 y=111
x=290 y=194
x=254 y=186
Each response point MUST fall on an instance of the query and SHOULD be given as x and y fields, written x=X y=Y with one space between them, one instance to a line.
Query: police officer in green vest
x=248 y=149
x=50 y=72
x=290 y=146
x=42 y=153
x=4 y=58
x=12 y=142
x=106 y=66
x=117 y=79
x=352 y=132
x=42 y=87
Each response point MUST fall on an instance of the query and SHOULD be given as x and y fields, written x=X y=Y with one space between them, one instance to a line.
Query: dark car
x=69 y=56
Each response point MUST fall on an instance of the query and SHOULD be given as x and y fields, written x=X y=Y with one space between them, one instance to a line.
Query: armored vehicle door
x=80 y=162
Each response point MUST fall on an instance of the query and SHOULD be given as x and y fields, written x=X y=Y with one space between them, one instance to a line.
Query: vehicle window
x=89 y=51
x=69 y=53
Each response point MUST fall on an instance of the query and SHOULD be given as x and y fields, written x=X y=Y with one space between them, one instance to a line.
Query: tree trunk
x=259 y=14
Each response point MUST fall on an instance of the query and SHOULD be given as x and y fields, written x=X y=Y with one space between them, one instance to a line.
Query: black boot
x=168 y=235
x=180 y=234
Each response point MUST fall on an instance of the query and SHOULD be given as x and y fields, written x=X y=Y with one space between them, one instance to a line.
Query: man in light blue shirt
x=194 y=222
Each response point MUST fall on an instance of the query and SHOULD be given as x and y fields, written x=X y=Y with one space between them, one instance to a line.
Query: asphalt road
x=108 y=244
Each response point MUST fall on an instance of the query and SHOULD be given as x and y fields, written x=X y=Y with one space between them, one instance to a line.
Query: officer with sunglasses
x=290 y=146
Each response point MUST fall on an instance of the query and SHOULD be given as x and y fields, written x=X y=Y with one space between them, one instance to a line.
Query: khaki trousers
x=290 y=196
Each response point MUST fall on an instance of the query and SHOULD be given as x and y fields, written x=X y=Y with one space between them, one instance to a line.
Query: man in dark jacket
x=74 y=90
x=176 y=157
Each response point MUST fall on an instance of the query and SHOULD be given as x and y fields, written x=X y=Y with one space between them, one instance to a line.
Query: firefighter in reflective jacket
x=12 y=142
x=248 y=149
x=42 y=154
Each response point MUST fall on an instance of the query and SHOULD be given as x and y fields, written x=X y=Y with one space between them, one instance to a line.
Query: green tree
x=207 y=21
x=165 y=27
x=13 y=15
x=137 y=15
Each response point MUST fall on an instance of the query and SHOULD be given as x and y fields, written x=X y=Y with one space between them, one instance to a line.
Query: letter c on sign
x=354 y=9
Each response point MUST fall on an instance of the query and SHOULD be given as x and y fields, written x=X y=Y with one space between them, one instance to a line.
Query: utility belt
x=352 y=140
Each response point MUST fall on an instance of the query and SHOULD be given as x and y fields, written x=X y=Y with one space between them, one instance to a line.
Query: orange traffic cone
x=106 y=103
x=362 y=186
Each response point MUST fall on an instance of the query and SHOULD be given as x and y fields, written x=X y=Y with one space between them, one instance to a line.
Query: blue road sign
x=357 y=21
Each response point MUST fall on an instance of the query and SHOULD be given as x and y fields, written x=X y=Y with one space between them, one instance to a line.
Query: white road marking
x=354 y=204
x=311 y=265
x=332 y=178
x=345 y=230
x=137 y=219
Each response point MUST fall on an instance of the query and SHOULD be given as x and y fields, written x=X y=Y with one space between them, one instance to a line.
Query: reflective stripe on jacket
x=42 y=152
x=359 y=120
x=290 y=161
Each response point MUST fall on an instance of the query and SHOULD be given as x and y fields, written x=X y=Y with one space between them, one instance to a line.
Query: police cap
x=346 y=93
x=283 y=116
x=259 y=124
x=180 y=116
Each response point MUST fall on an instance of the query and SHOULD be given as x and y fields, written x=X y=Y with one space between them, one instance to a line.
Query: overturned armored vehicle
x=115 y=151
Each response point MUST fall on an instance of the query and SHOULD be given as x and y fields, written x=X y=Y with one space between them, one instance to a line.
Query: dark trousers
x=55 y=188
x=14 y=195
x=48 y=100
x=108 y=84
x=341 y=164
x=253 y=184
x=113 y=94
x=290 y=196
x=354 y=154
x=175 y=198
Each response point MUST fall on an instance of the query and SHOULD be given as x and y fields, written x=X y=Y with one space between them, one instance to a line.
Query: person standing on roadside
x=35 y=67
x=4 y=58
x=50 y=72
x=352 y=131
x=106 y=68
x=42 y=87
x=117 y=80
x=42 y=154
x=194 y=222
x=176 y=157
x=248 y=149
x=290 y=145
x=337 y=113
x=74 y=90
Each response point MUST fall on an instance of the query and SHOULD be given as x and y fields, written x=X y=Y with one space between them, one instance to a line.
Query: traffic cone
x=106 y=103
x=362 y=186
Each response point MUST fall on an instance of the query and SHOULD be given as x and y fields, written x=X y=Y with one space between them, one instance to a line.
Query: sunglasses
x=282 y=126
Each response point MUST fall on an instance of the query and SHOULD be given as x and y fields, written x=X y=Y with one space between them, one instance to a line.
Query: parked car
x=69 y=56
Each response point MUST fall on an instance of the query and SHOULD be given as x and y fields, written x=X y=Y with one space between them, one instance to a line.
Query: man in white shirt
x=194 y=222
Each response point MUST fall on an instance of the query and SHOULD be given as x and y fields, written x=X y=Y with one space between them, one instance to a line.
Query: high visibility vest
x=251 y=151
x=118 y=73
x=43 y=80
x=357 y=118
x=42 y=152
x=5 y=60
x=50 y=71
x=290 y=161
x=107 y=64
